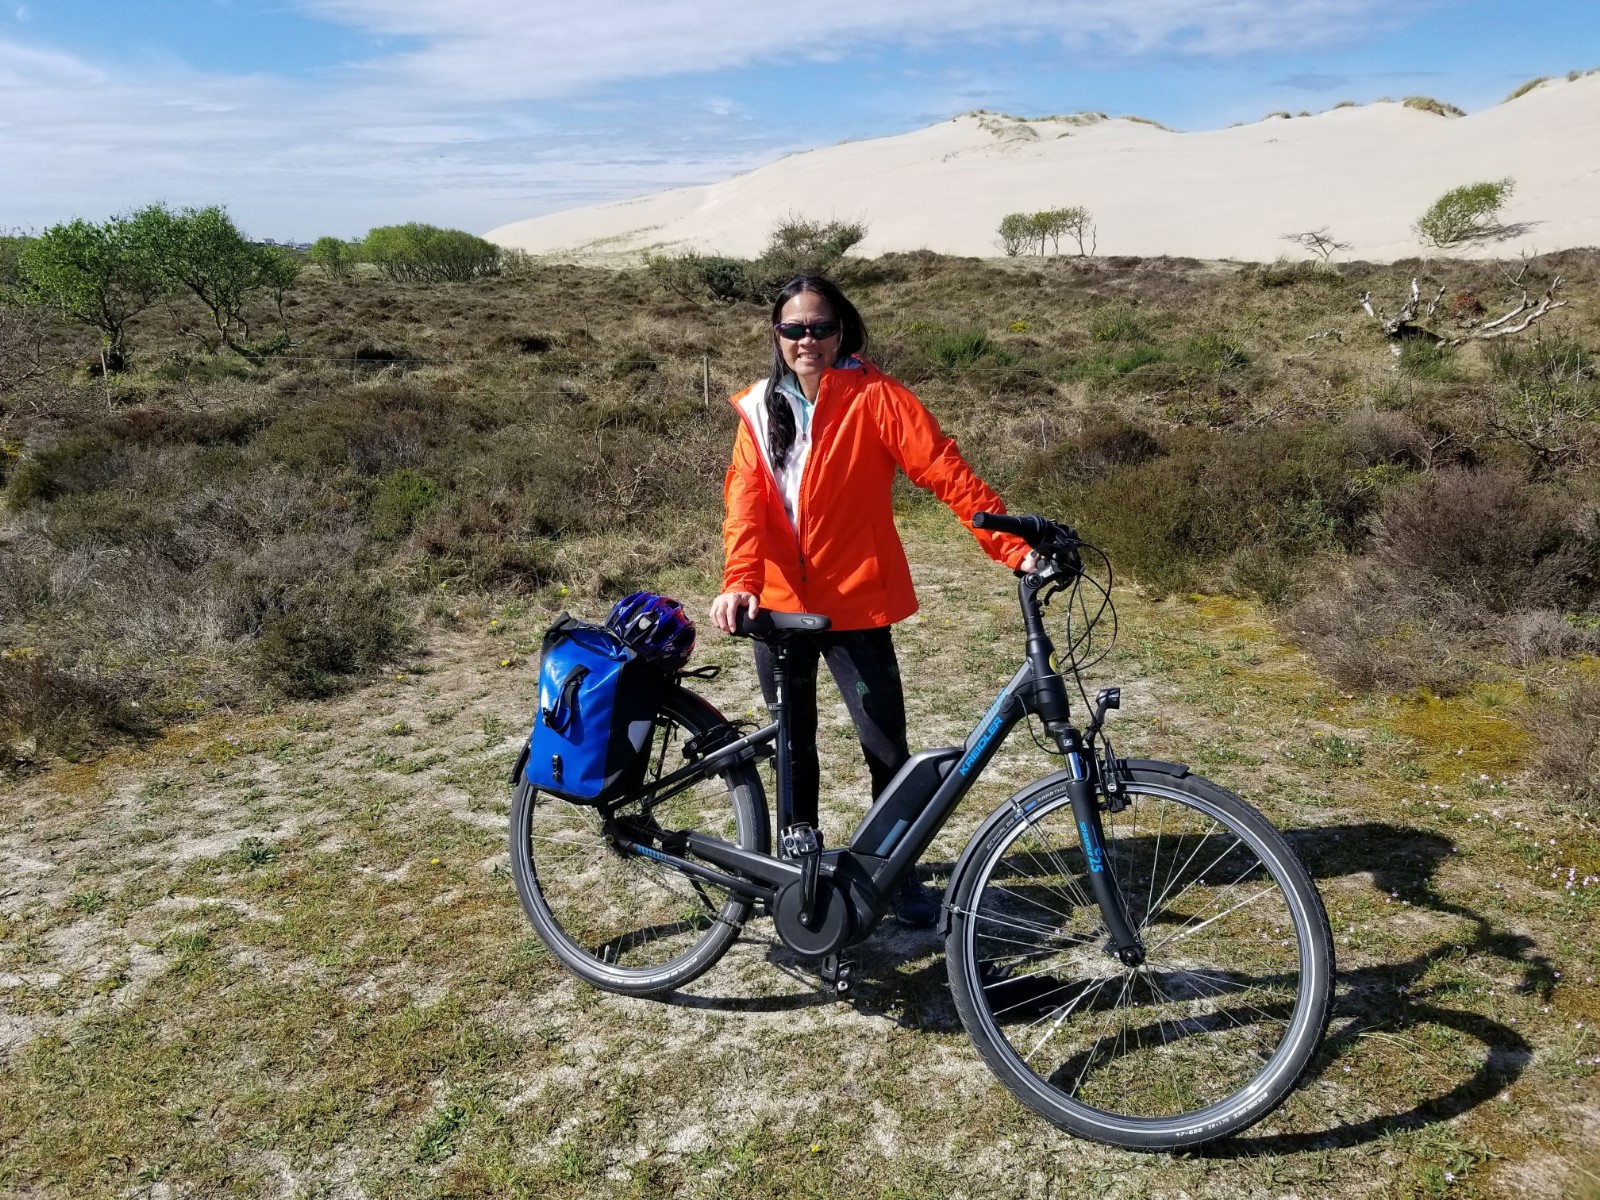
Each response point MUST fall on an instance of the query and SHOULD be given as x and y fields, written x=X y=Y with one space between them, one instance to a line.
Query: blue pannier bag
x=597 y=700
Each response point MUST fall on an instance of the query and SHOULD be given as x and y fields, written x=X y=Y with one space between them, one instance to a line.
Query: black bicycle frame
x=902 y=823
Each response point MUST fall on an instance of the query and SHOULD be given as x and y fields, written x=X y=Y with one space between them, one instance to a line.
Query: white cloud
x=496 y=50
x=493 y=110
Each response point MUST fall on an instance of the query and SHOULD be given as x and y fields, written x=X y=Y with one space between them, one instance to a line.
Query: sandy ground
x=1365 y=173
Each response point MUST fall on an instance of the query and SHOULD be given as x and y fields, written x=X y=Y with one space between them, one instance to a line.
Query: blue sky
x=308 y=117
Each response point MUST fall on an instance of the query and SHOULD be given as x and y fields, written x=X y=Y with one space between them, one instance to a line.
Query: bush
x=797 y=246
x=416 y=253
x=1177 y=517
x=57 y=710
x=696 y=276
x=1489 y=539
x=1567 y=760
x=325 y=635
x=335 y=256
x=1430 y=105
x=1465 y=214
x=1525 y=88
x=402 y=497
x=1016 y=233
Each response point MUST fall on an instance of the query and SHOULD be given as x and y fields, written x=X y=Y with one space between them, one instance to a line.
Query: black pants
x=863 y=665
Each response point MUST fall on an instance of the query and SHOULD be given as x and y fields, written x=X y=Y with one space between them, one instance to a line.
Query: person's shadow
x=900 y=974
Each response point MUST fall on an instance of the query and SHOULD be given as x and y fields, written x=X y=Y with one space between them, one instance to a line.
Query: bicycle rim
x=1202 y=1039
x=619 y=919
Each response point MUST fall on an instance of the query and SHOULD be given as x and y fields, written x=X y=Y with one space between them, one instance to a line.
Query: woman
x=809 y=528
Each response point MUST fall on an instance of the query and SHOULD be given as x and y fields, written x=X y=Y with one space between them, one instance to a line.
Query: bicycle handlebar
x=1029 y=528
x=1049 y=539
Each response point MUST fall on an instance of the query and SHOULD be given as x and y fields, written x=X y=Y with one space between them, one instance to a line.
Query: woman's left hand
x=1031 y=564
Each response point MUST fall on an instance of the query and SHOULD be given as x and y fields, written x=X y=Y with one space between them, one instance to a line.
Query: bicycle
x=1137 y=954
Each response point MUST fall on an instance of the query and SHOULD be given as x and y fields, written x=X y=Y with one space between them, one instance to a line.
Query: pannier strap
x=559 y=715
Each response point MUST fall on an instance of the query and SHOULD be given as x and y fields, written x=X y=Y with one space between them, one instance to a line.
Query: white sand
x=1365 y=173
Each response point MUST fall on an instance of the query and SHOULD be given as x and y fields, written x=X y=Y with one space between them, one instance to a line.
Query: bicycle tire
x=621 y=921
x=1203 y=1039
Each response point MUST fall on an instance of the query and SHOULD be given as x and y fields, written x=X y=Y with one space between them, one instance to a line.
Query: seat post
x=780 y=715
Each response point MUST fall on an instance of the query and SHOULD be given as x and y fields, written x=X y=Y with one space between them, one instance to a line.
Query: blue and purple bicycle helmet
x=657 y=627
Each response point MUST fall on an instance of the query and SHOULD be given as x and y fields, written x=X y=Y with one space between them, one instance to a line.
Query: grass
x=259 y=937
x=365 y=1003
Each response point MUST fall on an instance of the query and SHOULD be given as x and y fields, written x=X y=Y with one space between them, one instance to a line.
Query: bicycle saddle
x=767 y=623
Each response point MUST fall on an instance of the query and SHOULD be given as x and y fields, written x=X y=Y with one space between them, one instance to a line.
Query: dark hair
x=852 y=340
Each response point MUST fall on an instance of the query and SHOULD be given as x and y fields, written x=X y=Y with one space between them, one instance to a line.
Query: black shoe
x=913 y=904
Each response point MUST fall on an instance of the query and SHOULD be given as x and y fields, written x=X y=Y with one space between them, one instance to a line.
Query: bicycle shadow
x=900 y=975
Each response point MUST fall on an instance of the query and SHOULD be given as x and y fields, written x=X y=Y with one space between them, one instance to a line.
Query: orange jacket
x=845 y=559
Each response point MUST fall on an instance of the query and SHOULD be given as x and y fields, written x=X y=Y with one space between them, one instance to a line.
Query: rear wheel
x=621 y=920
x=1202 y=1039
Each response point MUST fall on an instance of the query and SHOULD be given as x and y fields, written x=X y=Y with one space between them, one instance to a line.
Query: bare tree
x=1319 y=242
x=1471 y=320
x=22 y=342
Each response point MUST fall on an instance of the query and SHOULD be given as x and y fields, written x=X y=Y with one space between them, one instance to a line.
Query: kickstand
x=839 y=974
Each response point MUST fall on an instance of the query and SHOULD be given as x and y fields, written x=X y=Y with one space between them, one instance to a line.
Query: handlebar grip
x=1029 y=528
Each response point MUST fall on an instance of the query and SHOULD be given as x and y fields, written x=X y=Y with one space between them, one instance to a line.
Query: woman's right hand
x=725 y=609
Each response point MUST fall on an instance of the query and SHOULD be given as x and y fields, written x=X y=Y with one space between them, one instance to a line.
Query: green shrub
x=1525 y=88
x=1465 y=213
x=335 y=256
x=957 y=348
x=202 y=252
x=1174 y=518
x=326 y=635
x=696 y=276
x=1119 y=324
x=798 y=246
x=1215 y=352
x=1016 y=231
x=417 y=253
x=402 y=497
x=1429 y=104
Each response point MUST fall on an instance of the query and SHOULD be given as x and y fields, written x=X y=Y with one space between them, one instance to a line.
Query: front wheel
x=1203 y=1038
x=621 y=920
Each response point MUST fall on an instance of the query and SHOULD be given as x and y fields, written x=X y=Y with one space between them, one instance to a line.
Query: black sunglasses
x=793 y=331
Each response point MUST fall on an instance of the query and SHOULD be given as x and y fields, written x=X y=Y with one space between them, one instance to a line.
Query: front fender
x=1025 y=799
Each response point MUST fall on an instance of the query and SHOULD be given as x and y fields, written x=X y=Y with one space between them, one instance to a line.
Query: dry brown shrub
x=1488 y=538
x=50 y=709
x=1568 y=729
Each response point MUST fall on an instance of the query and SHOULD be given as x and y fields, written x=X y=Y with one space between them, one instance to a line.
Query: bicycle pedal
x=839 y=974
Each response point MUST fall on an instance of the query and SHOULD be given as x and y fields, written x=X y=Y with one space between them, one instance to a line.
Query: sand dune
x=1366 y=173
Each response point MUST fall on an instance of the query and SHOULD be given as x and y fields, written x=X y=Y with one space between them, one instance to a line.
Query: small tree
x=201 y=251
x=417 y=253
x=98 y=275
x=1077 y=223
x=1465 y=214
x=335 y=256
x=1016 y=233
x=1319 y=242
x=1046 y=226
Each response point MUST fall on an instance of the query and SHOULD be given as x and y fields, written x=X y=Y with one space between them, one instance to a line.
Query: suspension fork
x=1124 y=940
